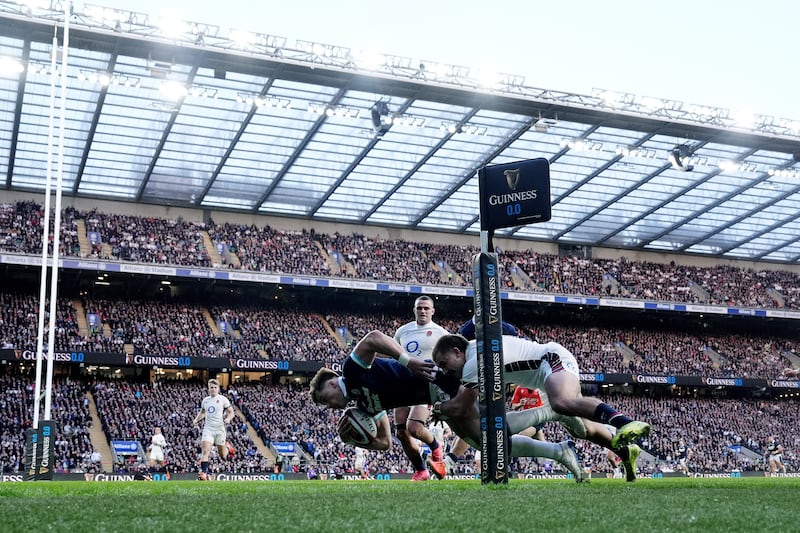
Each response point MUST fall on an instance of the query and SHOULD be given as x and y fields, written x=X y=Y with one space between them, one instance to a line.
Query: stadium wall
x=297 y=224
x=106 y=478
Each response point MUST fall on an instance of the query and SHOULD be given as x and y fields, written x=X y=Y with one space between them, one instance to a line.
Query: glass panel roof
x=189 y=125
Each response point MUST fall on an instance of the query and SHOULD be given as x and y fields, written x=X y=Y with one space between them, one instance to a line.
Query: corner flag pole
x=489 y=346
x=512 y=194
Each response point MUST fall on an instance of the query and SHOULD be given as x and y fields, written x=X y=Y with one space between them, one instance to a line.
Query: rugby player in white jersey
x=360 y=464
x=157 y=445
x=553 y=369
x=418 y=339
x=378 y=383
x=218 y=412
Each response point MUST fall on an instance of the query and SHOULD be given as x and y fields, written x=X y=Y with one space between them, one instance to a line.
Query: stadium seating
x=314 y=331
x=306 y=252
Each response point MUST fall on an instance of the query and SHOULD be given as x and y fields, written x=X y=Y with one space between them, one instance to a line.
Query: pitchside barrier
x=511 y=194
x=116 y=477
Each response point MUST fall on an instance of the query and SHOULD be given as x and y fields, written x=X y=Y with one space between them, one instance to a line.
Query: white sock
x=520 y=420
x=522 y=446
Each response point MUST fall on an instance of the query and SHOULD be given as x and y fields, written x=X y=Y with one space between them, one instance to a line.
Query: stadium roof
x=214 y=119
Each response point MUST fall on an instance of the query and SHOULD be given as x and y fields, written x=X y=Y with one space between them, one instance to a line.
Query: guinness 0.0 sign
x=514 y=194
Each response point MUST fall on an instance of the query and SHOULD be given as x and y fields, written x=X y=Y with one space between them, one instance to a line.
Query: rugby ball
x=357 y=427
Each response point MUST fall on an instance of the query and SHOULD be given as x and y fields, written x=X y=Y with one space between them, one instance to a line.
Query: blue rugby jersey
x=388 y=384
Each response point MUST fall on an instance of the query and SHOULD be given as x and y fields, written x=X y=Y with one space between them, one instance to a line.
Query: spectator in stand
x=304 y=252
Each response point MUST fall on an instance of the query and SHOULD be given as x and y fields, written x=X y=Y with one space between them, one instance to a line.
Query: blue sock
x=605 y=414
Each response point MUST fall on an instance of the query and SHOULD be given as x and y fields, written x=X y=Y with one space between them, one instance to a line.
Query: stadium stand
x=143 y=240
x=308 y=329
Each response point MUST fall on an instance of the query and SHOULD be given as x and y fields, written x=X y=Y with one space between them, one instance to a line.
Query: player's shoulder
x=405 y=327
x=469 y=373
x=437 y=327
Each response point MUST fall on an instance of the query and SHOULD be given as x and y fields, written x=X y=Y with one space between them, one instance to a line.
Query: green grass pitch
x=674 y=504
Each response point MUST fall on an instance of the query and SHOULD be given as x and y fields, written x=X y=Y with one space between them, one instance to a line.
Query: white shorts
x=563 y=359
x=359 y=465
x=216 y=436
x=157 y=454
x=532 y=364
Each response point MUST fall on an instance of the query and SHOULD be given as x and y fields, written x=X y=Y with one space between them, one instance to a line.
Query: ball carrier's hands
x=376 y=344
x=420 y=368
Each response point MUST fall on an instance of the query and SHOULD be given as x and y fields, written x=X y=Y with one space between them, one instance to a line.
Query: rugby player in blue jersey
x=378 y=383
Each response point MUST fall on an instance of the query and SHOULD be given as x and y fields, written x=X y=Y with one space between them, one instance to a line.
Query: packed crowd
x=178 y=242
x=130 y=411
x=270 y=250
x=148 y=239
x=293 y=332
x=157 y=327
x=396 y=261
x=19 y=322
x=69 y=412
x=21 y=226
x=715 y=429
x=282 y=332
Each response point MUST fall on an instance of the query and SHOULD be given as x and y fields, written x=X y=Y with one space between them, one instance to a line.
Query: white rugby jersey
x=158 y=441
x=418 y=341
x=525 y=363
x=215 y=410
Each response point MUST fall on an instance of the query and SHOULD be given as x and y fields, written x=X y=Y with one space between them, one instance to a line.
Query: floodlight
x=678 y=158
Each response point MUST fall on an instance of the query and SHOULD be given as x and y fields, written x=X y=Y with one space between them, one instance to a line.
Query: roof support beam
x=242 y=127
x=23 y=79
x=352 y=166
x=783 y=221
x=658 y=206
x=790 y=242
x=748 y=214
x=101 y=98
x=299 y=150
x=466 y=118
x=705 y=209
x=623 y=193
x=164 y=135
x=471 y=173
